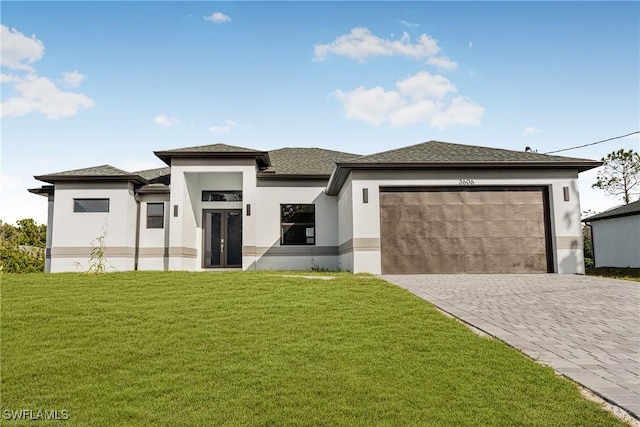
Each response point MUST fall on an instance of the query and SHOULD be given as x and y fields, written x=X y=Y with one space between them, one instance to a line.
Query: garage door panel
x=433 y=246
x=468 y=229
x=457 y=231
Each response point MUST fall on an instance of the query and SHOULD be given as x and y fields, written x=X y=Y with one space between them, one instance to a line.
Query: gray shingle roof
x=154 y=174
x=320 y=162
x=632 y=208
x=213 y=151
x=213 y=148
x=102 y=170
x=306 y=161
x=436 y=151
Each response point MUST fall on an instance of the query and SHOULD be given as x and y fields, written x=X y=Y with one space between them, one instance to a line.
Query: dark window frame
x=286 y=227
x=155 y=215
x=221 y=196
x=79 y=208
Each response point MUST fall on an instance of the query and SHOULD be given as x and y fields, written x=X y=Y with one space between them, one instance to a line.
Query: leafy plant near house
x=97 y=259
x=620 y=175
x=22 y=246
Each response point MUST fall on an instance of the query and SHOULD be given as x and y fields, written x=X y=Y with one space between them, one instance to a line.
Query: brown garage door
x=464 y=230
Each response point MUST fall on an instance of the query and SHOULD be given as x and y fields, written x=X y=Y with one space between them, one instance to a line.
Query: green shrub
x=22 y=247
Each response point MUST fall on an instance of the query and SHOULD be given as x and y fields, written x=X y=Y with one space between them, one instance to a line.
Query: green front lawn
x=205 y=349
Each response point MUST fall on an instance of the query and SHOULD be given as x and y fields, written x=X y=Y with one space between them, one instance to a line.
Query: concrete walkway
x=586 y=328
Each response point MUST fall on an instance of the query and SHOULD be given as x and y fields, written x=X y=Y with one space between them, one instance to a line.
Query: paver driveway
x=586 y=328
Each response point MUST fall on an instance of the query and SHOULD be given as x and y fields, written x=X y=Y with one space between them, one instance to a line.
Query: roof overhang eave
x=621 y=215
x=342 y=170
x=262 y=157
x=290 y=176
x=52 y=179
x=154 y=189
x=45 y=190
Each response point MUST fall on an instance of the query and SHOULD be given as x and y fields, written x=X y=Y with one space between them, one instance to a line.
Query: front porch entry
x=222 y=238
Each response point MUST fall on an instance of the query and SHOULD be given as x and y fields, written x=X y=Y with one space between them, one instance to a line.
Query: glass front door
x=222 y=238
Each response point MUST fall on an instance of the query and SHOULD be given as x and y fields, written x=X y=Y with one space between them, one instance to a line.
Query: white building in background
x=433 y=207
x=616 y=236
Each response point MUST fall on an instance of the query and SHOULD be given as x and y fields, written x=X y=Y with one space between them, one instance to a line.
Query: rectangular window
x=222 y=196
x=91 y=205
x=297 y=224
x=155 y=215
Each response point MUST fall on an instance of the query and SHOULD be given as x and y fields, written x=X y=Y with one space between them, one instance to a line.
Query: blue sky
x=87 y=83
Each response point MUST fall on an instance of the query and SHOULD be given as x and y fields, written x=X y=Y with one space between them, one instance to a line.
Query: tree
x=22 y=246
x=620 y=174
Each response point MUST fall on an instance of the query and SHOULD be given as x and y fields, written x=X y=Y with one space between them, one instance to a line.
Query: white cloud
x=218 y=18
x=9 y=78
x=361 y=44
x=74 y=78
x=165 y=121
x=530 y=130
x=220 y=129
x=17 y=51
x=424 y=85
x=409 y=24
x=418 y=99
x=442 y=62
x=40 y=94
x=470 y=45
x=461 y=112
x=373 y=106
x=36 y=93
x=17 y=203
x=418 y=111
x=226 y=127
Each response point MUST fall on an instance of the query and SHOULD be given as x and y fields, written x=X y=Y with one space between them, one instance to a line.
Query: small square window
x=155 y=215
x=297 y=224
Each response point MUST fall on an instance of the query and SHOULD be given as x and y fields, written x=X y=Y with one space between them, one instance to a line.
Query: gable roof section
x=445 y=155
x=95 y=173
x=215 y=151
x=632 y=208
x=315 y=162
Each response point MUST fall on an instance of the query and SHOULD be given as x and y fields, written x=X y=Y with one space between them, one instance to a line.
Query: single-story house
x=616 y=236
x=433 y=207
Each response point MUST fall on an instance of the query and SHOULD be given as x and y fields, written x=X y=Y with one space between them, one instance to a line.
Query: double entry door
x=222 y=230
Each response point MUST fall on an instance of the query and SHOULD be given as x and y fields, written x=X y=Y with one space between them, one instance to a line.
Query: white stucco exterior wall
x=47 y=259
x=189 y=177
x=616 y=241
x=74 y=233
x=269 y=254
x=153 y=242
x=345 y=227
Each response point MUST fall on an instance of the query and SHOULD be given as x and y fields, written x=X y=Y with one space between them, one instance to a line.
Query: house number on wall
x=466 y=181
